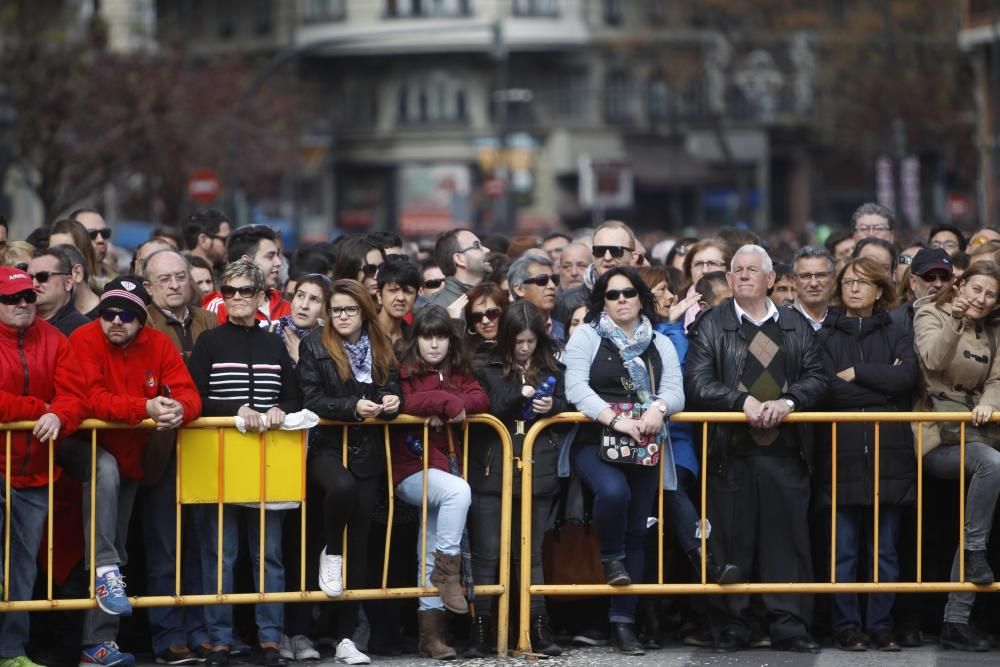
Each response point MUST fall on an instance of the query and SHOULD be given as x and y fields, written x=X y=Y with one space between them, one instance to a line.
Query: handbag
x=571 y=553
x=620 y=448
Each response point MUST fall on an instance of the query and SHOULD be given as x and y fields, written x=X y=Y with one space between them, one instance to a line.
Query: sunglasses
x=27 y=296
x=542 y=280
x=491 y=314
x=616 y=250
x=109 y=315
x=371 y=270
x=615 y=294
x=43 y=276
x=228 y=291
x=103 y=233
x=399 y=257
x=433 y=283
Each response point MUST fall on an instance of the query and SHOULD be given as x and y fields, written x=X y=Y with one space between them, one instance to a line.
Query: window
x=658 y=99
x=573 y=94
x=428 y=8
x=536 y=7
x=262 y=17
x=318 y=11
x=227 y=19
x=437 y=97
x=613 y=12
x=618 y=97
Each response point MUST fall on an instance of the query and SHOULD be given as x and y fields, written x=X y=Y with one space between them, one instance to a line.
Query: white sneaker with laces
x=348 y=654
x=285 y=648
x=330 y=569
x=303 y=648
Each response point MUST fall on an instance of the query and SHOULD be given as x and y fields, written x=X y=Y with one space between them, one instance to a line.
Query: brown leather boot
x=449 y=583
x=432 y=628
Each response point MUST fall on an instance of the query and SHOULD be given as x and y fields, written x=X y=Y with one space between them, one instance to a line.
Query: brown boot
x=449 y=584
x=432 y=644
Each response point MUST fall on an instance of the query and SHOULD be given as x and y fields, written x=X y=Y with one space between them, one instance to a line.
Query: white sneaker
x=285 y=648
x=330 y=569
x=348 y=654
x=303 y=648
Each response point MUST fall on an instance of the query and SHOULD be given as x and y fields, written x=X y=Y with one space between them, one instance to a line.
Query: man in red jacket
x=131 y=372
x=39 y=380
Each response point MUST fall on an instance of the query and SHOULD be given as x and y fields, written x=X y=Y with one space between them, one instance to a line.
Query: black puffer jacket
x=885 y=373
x=332 y=398
x=506 y=403
x=716 y=359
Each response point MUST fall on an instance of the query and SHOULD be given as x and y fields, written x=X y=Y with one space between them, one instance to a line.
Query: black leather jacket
x=716 y=359
x=332 y=398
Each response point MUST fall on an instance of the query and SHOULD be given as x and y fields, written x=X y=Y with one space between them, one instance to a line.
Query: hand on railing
x=166 y=412
x=981 y=414
x=47 y=427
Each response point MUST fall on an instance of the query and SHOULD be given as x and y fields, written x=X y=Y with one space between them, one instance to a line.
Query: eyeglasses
x=432 y=283
x=491 y=314
x=216 y=237
x=860 y=283
x=229 y=291
x=542 y=279
x=616 y=250
x=946 y=245
x=43 y=276
x=821 y=276
x=615 y=294
x=869 y=229
x=398 y=256
x=706 y=264
x=181 y=278
x=340 y=311
x=476 y=245
x=905 y=259
x=935 y=277
x=103 y=233
x=27 y=296
x=109 y=315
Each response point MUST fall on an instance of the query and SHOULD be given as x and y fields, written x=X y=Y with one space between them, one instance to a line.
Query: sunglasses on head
x=109 y=315
x=371 y=270
x=542 y=280
x=27 y=296
x=491 y=314
x=103 y=233
x=229 y=291
x=433 y=283
x=616 y=250
x=615 y=294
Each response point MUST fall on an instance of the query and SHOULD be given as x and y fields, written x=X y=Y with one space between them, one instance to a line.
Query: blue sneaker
x=105 y=654
x=110 y=593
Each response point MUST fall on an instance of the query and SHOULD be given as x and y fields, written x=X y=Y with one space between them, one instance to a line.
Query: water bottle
x=413 y=442
x=544 y=390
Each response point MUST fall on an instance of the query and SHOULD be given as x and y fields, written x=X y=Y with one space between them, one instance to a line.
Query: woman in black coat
x=873 y=367
x=348 y=373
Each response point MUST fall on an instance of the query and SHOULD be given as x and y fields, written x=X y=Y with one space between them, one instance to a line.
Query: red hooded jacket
x=120 y=380
x=431 y=393
x=38 y=373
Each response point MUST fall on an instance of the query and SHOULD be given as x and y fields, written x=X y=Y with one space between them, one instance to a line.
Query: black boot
x=480 y=645
x=541 y=637
x=714 y=574
x=652 y=633
x=615 y=573
x=963 y=637
x=624 y=640
x=977 y=569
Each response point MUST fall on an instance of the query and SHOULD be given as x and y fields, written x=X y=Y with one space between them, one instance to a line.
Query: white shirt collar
x=816 y=324
x=772 y=313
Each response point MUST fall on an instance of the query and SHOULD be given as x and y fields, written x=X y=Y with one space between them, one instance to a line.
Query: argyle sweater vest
x=764 y=378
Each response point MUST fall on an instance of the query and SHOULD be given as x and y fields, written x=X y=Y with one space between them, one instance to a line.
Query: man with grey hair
x=533 y=277
x=814 y=270
x=872 y=219
x=748 y=355
x=573 y=263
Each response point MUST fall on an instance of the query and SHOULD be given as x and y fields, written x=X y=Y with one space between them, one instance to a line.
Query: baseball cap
x=931 y=259
x=14 y=280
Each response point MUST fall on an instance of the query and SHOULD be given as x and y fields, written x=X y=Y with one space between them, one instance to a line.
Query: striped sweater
x=235 y=365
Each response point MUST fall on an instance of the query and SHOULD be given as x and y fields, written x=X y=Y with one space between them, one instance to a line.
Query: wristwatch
x=790 y=403
x=661 y=406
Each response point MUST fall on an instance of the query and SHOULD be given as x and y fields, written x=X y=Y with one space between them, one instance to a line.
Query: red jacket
x=430 y=393
x=276 y=304
x=120 y=380
x=38 y=373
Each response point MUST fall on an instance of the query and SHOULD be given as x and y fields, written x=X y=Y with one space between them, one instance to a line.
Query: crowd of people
x=220 y=321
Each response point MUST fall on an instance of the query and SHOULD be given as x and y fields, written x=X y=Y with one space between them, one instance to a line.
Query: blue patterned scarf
x=359 y=355
x=631 y=348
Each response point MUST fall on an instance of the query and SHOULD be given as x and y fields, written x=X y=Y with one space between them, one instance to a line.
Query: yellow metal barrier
x=262 y=490
x=833 y=586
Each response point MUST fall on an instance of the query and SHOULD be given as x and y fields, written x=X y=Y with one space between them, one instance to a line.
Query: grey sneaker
x=303 y=648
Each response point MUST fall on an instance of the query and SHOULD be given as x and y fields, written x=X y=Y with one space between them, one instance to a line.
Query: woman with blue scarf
x=616 y=358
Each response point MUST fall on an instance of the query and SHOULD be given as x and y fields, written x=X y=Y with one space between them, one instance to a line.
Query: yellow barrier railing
x=221 y=425
x=833 y=586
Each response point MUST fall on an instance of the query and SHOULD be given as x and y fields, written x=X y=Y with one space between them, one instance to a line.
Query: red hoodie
x=275 y=307
x=38 y=373
x=120 y=380
x=431 y=393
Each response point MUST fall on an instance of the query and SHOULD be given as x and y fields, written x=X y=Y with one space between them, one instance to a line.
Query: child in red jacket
x=438 y=384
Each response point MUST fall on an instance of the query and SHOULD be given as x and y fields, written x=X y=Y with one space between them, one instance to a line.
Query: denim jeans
x=219 y=618
x=852 y=522
x=679 y=512
x=181 y=626
x=28 y=511
x=448 y=500
x=982 y=464
x=623 y=498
